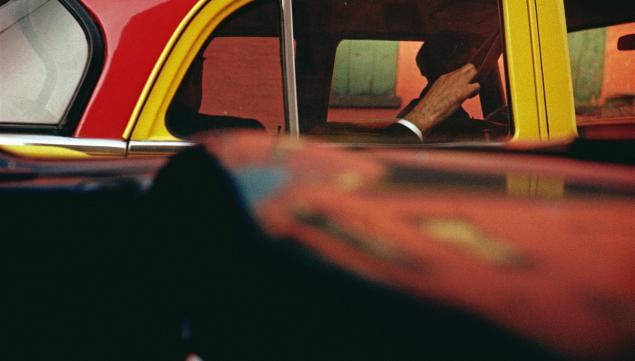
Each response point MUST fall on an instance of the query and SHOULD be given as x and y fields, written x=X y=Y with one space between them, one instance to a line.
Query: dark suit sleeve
x=185 y=122
x=400 y=134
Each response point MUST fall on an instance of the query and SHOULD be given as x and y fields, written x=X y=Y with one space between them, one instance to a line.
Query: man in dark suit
x=442 y=99
x=450 y=82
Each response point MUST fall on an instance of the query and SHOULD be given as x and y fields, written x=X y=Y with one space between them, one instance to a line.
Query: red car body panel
x=134 y=33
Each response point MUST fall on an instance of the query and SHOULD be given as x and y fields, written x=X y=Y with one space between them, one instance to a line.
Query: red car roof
x=134 y=34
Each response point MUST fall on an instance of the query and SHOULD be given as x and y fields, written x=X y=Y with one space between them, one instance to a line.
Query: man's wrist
x=412 y=127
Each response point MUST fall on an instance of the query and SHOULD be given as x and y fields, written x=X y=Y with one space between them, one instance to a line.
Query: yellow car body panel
x=520 y=43
x=44 y=151
x=172 y=66
x=558 y=88
x=141 y=102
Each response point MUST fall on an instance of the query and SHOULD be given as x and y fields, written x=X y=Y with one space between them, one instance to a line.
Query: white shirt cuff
x=408 y=124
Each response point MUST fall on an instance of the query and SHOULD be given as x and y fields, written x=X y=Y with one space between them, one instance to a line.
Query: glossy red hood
x=541 y=245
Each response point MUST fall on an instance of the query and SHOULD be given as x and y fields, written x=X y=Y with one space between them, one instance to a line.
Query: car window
x=236 y=79
x=44 y=53
x=371 y=79
x=363 y=65
x=603 y=76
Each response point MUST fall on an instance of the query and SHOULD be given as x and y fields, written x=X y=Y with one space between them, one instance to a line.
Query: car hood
x=539 y=244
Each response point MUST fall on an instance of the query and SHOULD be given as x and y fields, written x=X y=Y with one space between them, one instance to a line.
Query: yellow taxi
x=153 y=75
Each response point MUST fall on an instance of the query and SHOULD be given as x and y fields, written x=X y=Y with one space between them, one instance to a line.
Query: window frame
x=539 y=91
x=615 y=121
x=147 y=130
x=505 y=26
x=171 y=123
x=88 y=80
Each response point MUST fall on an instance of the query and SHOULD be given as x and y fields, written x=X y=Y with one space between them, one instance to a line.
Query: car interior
x=448 y=44
x=320 y=28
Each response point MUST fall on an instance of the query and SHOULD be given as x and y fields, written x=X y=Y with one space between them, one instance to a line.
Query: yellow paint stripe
x=520 y=69
x=184 y=45
x=177 y=65
x=558 y=86
x=43 y=151
x=159 y=65
x=538 y=72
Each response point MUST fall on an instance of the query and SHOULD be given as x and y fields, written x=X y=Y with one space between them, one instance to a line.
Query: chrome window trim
x=288 y=67
x=136 y=147
x=87 y=145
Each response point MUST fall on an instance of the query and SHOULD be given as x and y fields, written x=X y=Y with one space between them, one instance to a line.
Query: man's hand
x=445 y=96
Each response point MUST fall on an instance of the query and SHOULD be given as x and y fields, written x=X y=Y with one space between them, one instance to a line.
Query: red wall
x=243 y=78
x=619 y=66
x=409 y=84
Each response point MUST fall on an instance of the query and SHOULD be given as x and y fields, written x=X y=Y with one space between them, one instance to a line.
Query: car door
x=72 y=71
x=528 y=91
x=224 y=67
x=531 y=91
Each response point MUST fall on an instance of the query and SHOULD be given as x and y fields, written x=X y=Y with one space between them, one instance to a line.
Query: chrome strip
x=288 y=66
x=156 y=147
x=86 y=145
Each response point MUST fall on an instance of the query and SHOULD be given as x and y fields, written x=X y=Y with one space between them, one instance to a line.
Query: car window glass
x=44 y=53
x=603 y=76
x=371 y=79
x=236 y=79
x=363 y=65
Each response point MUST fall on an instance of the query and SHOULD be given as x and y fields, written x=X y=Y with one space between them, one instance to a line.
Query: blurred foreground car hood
x=540 y=246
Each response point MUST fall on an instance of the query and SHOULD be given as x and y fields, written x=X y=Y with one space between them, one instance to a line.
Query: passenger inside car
x=443 y=55
x=238 y=77
x=447 y=61
x=367 y=37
